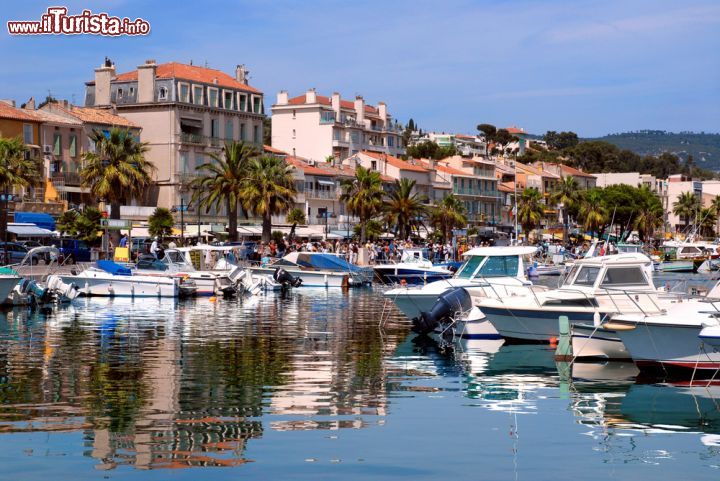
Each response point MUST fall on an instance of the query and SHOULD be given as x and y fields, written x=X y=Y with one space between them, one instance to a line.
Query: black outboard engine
x=281 y=276
x=450 y=302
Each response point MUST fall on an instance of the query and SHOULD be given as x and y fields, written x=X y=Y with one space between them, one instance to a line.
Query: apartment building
x=186 y=113
x=584 y=180
x=396 y=169
x=315 y=127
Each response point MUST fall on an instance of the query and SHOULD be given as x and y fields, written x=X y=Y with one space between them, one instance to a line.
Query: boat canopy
x=322 y=261
x=113 y=268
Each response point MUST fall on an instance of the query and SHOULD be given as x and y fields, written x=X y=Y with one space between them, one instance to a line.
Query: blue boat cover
x=113 y=268
x=38 y=218
x=327 y=262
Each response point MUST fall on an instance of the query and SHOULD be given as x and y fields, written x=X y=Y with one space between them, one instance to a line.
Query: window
x=184 y=167
x=228 y=100
x=197 y=95
x=28 y=136
x=212 y=97
x=214 y=128
x=242 y=131
x=243 y=102
x=256 y=134
x=229 y=129
x=586 y=276
x=73 y=145
x=373 y=165
x=293 y=133
x=624 y=276
x=57 y=144
x=184 y=93
x=162 y=93
x=390 y=141
x=119 y=93
x=132 y=91
x=257 y=104
x=470 y=266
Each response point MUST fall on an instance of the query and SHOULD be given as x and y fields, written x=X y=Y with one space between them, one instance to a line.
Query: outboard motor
x=281 y=276
x=450 y=302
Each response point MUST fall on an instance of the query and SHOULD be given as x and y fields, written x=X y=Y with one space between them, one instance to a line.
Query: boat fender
x=447 y=304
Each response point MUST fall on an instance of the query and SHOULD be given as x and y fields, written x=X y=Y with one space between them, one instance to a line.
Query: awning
x=325 y=182
x=28 y=230
x=40 y=219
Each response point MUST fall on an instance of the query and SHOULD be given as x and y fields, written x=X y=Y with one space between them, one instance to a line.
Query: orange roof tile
x=567 y=170
x=93 y=115
x=192 y=73
x=307 y=168
x=395 y=162
x=443 y=168
x=515 y=130
x=533 y=170
x=7 y=111
x=273 y=150
x=322 y=100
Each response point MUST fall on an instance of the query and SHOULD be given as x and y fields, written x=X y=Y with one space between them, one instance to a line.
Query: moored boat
x=109 y=279
x=414 y=267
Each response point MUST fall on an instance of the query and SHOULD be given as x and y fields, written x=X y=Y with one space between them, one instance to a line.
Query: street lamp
x=6 y=198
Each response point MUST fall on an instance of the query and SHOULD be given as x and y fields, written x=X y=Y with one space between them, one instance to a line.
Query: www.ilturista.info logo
x=56 y=21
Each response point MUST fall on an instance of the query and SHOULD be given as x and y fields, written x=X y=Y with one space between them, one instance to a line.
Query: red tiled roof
x=273 y=150
x=443 y=168
x=307 y=168
x=93 y=115
x=567 y=170
x=192 y=73
x=395 y=162
x=322 y=100
x=534 y=170
x=7 y=111
x=515 y=130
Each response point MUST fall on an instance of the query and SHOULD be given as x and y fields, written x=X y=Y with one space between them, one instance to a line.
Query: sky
x=593 y=67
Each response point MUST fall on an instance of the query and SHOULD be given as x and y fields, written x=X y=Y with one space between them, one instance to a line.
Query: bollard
x=563 y=352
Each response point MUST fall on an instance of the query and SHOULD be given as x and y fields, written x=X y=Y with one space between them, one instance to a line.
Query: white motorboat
x=595 y=289
x=109 y=279
x=175 y=263
x=357 y=276
x=309 y=277
x=684 y=337
x=414 y=267
x=504 y=266
x=8 y=280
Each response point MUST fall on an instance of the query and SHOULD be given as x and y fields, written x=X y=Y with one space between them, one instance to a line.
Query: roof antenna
x=190 y=62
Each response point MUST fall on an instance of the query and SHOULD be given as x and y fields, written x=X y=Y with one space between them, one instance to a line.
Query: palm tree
x=404 y=209
x=567 y=193
x=715 y=206
x=117 y=170
x=650 y=213
x=530 y=211
x=363 y=196
x=161 y=222
x=449 y=214
x=16 y=169
x=593 y=213
x=707 y=218
x=268 y=189
x=221 y=181
x=687 y=206
x=295 y=216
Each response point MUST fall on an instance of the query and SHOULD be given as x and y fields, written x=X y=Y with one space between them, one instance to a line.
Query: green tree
x=161 y=222
x=488 y=131
x=373 y=229
x=593 y=213
x=448 y=215
x=221 y=181
x=66 y=223
x=560 y=140
x=16 y=169
x=363 y=196
x=267 y=131
x=530 y=210
x=117 y=170
x=567 y=193
x=88 y=226
x=650 y=213
x=687 y=207
x=706 y=218
x=296 y=216
x=715 y=205
x=405 y=209
x=268 y=189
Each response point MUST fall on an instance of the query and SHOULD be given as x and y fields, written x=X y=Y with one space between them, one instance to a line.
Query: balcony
x=185 y=178
x=195 y=139
x=71 y=179
x=340 y=143
x=321 y=194
x=327 y=118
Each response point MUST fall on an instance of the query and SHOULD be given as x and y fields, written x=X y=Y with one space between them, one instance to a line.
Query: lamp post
x=6 y=199
x=182 y=220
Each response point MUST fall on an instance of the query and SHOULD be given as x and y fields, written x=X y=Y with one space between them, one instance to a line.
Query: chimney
x=146 y=82
x=282 y=97
x=360 y=109
x=335 y=102
x=9 y=102
x=382 y=111
x=103 y=77
x=30 y=104
x=310 y=96
x=241 y=74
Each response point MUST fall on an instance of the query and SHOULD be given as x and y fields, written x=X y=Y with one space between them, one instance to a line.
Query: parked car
x=16 y=253
x=74 y=250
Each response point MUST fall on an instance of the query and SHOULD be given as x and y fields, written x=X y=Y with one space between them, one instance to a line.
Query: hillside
x=705 y=148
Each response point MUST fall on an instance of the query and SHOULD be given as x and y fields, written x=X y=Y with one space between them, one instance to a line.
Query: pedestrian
x=123 y=240
x=154 y=247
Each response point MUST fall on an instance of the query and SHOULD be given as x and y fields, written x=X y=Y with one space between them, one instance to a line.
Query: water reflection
x=162 y=384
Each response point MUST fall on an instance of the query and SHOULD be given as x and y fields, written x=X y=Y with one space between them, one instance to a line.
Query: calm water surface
x=306 y=385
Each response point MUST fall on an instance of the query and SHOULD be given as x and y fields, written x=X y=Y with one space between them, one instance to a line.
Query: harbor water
x=323 y=384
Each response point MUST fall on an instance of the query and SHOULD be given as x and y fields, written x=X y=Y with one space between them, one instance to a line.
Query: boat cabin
x=622 y=272
x=483 y=262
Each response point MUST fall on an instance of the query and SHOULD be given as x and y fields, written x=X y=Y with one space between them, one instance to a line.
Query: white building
x=315 y=127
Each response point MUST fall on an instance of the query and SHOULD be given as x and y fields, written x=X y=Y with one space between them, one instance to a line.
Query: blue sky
x=594 y=67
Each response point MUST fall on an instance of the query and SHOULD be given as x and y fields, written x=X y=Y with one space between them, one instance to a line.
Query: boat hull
x=535 y=325
x=124 y=287
x=398 y=275
x=591 y=342
x=7 y=284
x=309 y=278
x=669 y=346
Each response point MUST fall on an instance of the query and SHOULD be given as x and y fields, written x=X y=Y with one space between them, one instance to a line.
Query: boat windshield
x=175 y=257
x=500 y=266
x=586 y=276
x=624 y=276
x=468 y=269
